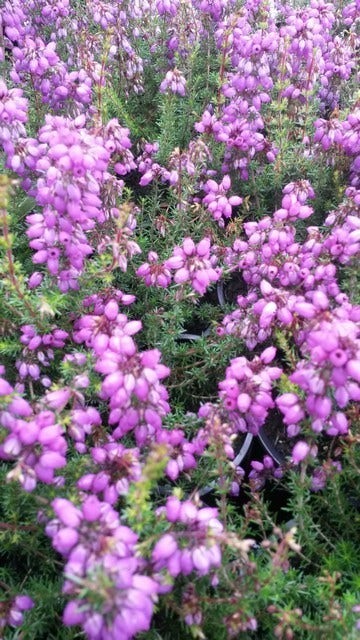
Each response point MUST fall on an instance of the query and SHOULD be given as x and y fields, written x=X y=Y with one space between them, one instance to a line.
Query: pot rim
x=270 y=447
x=194 y=336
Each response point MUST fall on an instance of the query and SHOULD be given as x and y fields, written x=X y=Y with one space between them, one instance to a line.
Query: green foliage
x=300 y=572
x=139 y=498
x=28 y=563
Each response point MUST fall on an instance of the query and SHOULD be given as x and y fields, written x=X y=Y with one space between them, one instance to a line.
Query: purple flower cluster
x=287 y=284
x=169 y=7
x=247 y=389
x=216 y=200
x=137 y=399
x=115 y=468
x=328 y=132
x=341 y=138
x=33 y=440
x=114 y=21
x=13 y=116
x=35 y=59
x=213 y=8
x=72 y=164
x=220 y=427
x=321 y=475
x=83 y=420
x=193 y=544
x=118 y=144
x=329 y=374
x=150 y=169
x=263 y=471
x=12 y=610
x=180 y=451
x=154 y=272
x=174 y=82
x=38 y=352
x=194 y=264
x=110 y=595
x=240 y=130
x=252 y=54
x=343 y=241
x=268 y=65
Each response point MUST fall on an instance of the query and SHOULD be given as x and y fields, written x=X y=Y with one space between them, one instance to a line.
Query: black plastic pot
x=228 y=291
x=220 y=293
x=244 y=450
x=194 y=336
x=246 y=442
x=273 y=438
x=269 y=445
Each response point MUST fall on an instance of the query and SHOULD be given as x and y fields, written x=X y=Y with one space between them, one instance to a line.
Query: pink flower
x=58 y=399
x=164 y=549
x=300 y=451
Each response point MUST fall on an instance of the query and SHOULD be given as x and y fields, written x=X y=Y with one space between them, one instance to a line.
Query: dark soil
x=277 y=443
x=274 y=438
x=232 y=288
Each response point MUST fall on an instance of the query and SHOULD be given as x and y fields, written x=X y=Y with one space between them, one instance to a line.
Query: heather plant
x=179 y=217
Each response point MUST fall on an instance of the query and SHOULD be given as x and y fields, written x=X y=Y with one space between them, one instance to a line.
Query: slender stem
x=11 y=267
x=15 y=527
x=4 y=586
